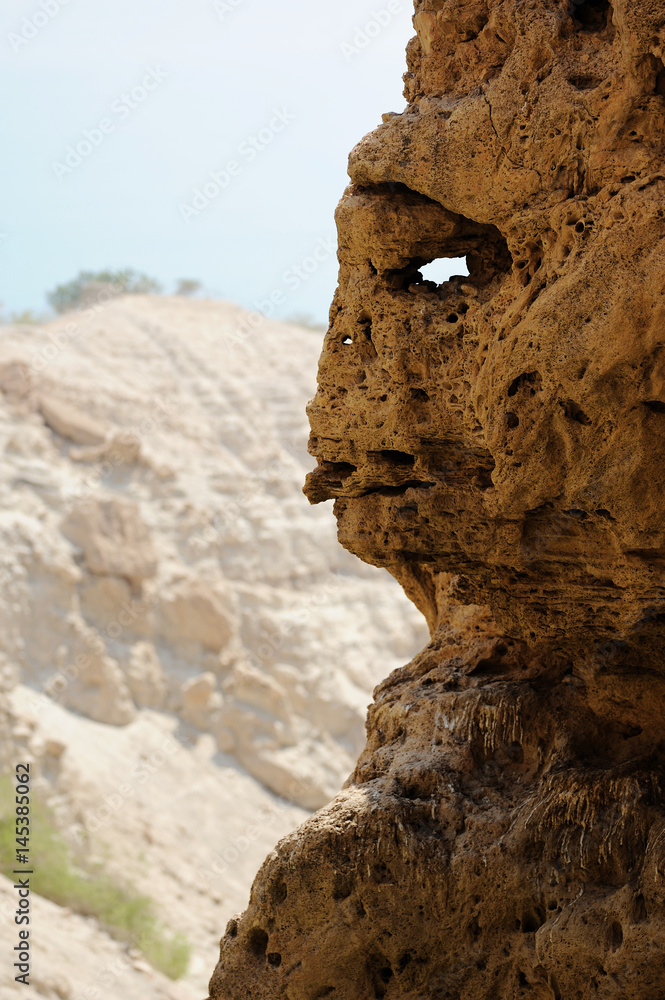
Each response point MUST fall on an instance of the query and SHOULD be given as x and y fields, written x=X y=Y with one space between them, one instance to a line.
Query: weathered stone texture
x=497 y=442
x=508 y=427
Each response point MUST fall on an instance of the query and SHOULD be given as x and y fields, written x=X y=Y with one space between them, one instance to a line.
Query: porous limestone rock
x=499 y=838
x=497 y=442
x=507 y=426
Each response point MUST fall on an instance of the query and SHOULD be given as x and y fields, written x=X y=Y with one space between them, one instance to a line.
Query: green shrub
x=93 y=287
x=125 y=914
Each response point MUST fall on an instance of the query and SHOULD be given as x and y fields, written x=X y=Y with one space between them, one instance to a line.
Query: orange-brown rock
x=497 y=441
x=508 y=427
x=501 y=838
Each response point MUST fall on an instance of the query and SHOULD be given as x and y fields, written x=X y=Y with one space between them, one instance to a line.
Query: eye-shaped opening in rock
x=444 y=268
x=591 y=15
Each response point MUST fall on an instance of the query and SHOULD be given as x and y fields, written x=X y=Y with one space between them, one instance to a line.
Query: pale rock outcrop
x=194 y=612
x=149 y=771
x=70 y=422
x=114 y=539
x=201 y=701
x=145 y=676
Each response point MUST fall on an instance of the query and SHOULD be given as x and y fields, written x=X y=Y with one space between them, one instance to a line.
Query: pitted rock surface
x=498 y=839
x=508 y=426
x=497 y=442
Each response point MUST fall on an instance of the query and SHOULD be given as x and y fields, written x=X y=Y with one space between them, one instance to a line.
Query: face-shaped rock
x=500 y=438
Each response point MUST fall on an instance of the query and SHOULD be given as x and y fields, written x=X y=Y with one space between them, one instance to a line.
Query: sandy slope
x=164 y=579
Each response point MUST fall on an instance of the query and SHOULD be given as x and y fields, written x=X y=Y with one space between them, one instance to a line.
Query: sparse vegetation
x=93 y=287
x=124 y=913
x=188 y=286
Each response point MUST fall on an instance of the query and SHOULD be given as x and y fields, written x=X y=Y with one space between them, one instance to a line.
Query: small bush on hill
x=93 y=287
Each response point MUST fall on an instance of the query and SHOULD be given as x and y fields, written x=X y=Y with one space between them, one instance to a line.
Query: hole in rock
x=575 y=412
x=419 y=394
x=577 y=514
x=279 y=892
x=531 y=380
x=660 y=76
x=341 y=469
x=404 y=961
x=532 y=920
x=257 y=939
x=443 y=268
x=584 y=82
x=591 y=15
x=655 y=405
x=342 y=888
x=274 y=959
x=397 y=458
x=616 y=936
x=347 y=339
x=512 y=420
x=639 y=909
x=381 y=873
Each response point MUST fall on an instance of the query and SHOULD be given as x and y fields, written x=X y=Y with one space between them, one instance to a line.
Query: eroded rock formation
x=497 y=442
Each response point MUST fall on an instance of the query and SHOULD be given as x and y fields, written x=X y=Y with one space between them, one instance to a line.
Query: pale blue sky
x=230 y=66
